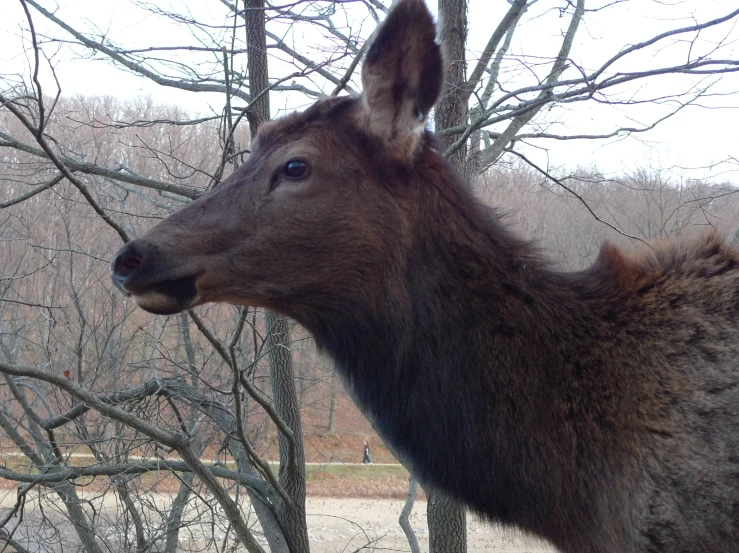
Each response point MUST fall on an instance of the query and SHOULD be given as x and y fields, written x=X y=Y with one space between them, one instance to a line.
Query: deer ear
x=402 y=77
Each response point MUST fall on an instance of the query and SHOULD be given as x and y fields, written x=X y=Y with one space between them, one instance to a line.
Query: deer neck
x=466 y=328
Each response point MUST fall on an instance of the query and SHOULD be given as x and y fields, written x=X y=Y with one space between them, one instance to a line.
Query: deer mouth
x=159 y=284
x=167 y=297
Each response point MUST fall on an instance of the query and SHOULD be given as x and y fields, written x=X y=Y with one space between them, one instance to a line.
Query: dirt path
x=336 y=525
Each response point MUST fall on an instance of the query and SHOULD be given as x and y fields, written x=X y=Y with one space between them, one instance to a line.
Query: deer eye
x=296 y=169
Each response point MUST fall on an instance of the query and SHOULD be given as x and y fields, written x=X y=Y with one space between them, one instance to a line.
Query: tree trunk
x=405 y=514
x=85 y=532
x=332 y=406
x=292 y=454
x=447 y=520
x=174 y=521
x=451 y=110
x=256 y=63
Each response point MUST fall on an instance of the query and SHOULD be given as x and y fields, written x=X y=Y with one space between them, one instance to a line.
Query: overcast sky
x=695 y=143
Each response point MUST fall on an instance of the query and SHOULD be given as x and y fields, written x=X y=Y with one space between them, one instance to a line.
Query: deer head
x=317 y=215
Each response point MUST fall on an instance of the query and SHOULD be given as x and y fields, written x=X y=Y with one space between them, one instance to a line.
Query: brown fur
x=597 y=409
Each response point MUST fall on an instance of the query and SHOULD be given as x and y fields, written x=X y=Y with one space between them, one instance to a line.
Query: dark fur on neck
x=470 y=343
x=529 y=394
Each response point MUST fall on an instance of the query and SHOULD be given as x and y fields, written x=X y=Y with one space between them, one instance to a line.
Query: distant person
x=366 y=458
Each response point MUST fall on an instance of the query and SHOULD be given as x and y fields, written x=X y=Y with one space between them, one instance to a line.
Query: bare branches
x=121 y=173
x=133 y=468
x=251 y=390
x=176 y=440
x=145 y=389
x=522 y=118
x=660 y=37
x=38 y=188
x=341 y=85
x=192 y=85
x=169 y=439
x=562 y=185
x=37 y=130
x=38 y=133
x=506 y=116
x=101 y=379
x=504 y=27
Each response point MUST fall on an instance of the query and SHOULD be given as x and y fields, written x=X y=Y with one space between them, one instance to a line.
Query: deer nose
x=124 y=266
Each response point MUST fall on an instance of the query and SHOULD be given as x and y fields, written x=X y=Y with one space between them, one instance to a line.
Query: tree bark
x=85 y=532
x=256 y=63
x=332 y=406
x=405 y=514
x=447 y=522
x=452 y=107
x=174 y=521
x=292 y=453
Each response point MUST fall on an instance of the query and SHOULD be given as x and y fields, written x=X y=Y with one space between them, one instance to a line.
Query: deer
x=597 y=409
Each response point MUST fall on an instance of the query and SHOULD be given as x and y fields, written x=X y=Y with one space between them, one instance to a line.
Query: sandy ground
x=334 y=526
x=345 y=525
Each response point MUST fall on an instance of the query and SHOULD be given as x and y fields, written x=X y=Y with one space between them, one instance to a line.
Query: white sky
x=695 y=143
